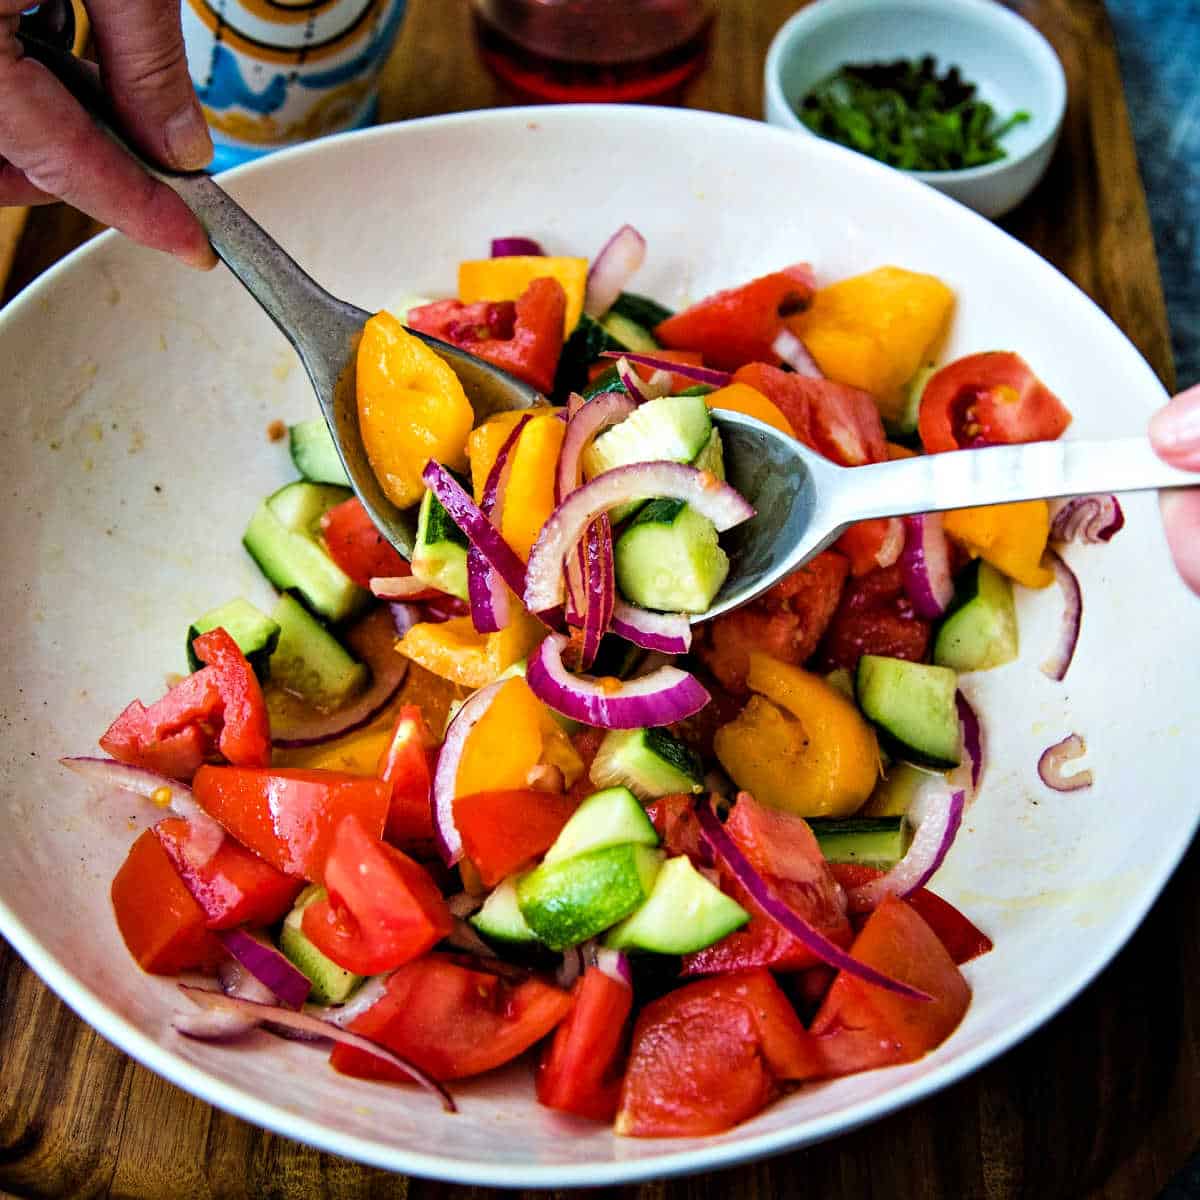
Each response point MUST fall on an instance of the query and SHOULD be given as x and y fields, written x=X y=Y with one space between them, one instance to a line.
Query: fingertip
x=188 y=141
x=199 y=258
x=1181 y=520
x=1174 y=430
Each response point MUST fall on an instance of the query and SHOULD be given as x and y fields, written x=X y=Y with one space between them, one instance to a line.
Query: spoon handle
x=318 y=325
x=999 y=474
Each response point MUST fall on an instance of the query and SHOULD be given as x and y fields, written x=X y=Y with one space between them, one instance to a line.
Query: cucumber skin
x=650 y=762
x=439 y=556
x=606 y=818
x=257 y=649
x=876 y=842
x=898 y=747
x=640 y=309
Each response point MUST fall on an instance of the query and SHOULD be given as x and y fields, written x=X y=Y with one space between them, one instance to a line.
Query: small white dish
x=1013 y=66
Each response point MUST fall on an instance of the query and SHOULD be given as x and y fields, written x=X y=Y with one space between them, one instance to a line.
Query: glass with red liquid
x=594 y=50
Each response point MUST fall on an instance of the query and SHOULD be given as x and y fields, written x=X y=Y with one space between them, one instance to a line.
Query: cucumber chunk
x=683 y=913
x=871 y=841
x=283 y=539
x=980 y=630
x=712 y=457
x=254 y=632
x=314 y=454
x=567 y=902
x=605 y=818
x=310 y=662
x=649 y=762
x=912 y=706
x=500 y=917
x=331 y=984
x=669 y=559
x=671 y=429
x=439 y=556
x=905 y=424
x=642 y=309
x=630 y=334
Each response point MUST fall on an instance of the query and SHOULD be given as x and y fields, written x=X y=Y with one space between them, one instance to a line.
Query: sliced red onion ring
x=571 y=967
x=488 y=594
x=893 y=543
x=708 y=375
x=614 y=266
x=659 y=384
x=445 y=776
x=601 y=587
x=795 y=353
x=938 y=817
x=660 y=698
x=271 y=968
x=615 y=965
x=668 y=633
x=372 y=641
x=1088 y=519
x=972 y=738
x=640 y=481
x=1054 y=758
x=480 y=531
x=211 y=1025
x=443 y=608
x=205 y=835
x=591 y=419
x=726 y=849
x=304 y=1023
x=508 y=247
x=925 y=563
x=1057 y=664
x=401 y=587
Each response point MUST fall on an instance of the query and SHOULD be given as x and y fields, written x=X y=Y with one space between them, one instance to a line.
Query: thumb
x=139 y=45
x=1175 y=430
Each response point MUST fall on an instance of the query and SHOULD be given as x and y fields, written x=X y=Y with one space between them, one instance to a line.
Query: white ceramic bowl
x=1012 y=64
x=137 y=396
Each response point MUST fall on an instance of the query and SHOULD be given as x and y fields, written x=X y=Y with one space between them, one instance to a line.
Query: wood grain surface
x=1103 y=1102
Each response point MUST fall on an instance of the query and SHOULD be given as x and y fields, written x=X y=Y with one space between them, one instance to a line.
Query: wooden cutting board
x=1102 y=1102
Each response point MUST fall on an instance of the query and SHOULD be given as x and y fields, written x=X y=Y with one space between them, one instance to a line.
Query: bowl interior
x=1011 y=64
x=138 y=397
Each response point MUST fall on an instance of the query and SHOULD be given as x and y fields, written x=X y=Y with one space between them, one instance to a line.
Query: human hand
x=1175 y=436
x=50 y=149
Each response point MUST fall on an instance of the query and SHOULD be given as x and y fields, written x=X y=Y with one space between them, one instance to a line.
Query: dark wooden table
x=1102 y=1102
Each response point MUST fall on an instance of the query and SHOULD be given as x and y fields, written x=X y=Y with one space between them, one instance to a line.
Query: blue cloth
x=1158 y=42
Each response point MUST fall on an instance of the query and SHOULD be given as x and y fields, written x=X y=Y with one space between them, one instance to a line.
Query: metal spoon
x=803 y=501
x=323 y=329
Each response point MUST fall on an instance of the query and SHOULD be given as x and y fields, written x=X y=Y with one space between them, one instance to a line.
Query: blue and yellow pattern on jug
x=271 y=73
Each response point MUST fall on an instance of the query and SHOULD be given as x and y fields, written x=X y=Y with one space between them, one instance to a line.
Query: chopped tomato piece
x=524 y=337
x=235 y=886
x=176 y=734
x=875 y=616
x=860 y=1026
x=358 y=547
x=871 y=544
x=738 y=326
x=382 y=909
x=289 y=815
x=961 y=938
x=985 y=399
x=408 y=765
x=580 y=1070
x=787 y=622
x=164 y=927
x=783 y=850
x=708 y=1056
x=452 y=1021
x=587 y=744
x=504 y=831
x=674 y=820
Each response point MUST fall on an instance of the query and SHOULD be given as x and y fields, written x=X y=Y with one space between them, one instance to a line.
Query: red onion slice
x=640 y=481
x=795 y=353
x=659 y=384
x=707 y=375
x=445 y=776
x=972 y=738
x=614 y=266
x=405 y=616
x=401 y=587
x=480 y=531
x=893 y=543
x=925 y=563
x=660 y=698
x=344 y=1015
x=509 y=247
x=1054 y=758
x=726 y=849
x=938 y=818
x=615 y=965
x=316 y=1027
x=668 y=633
x=271 y=968
x=591 y=419
x=600 y=591
x=372 y=641
x=1057 y=664
x=1088 y=519
x=491 y=610
x=213 y=1026
x=571 y=967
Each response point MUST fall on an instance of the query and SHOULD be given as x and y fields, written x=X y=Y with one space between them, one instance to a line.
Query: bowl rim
x=726 y=1150
x=987 y=12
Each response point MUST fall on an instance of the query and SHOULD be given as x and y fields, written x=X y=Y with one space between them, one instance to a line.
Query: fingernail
x=1175 y=429
x=202 y=258
x=188 y=141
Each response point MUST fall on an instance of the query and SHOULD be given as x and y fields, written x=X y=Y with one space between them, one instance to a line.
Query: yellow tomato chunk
x=411 y=408
x=1012 y=537
x=505 y=745
x=456 y=651
x=741 y=397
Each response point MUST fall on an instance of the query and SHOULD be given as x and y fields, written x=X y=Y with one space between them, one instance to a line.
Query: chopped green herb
x=907 y=115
